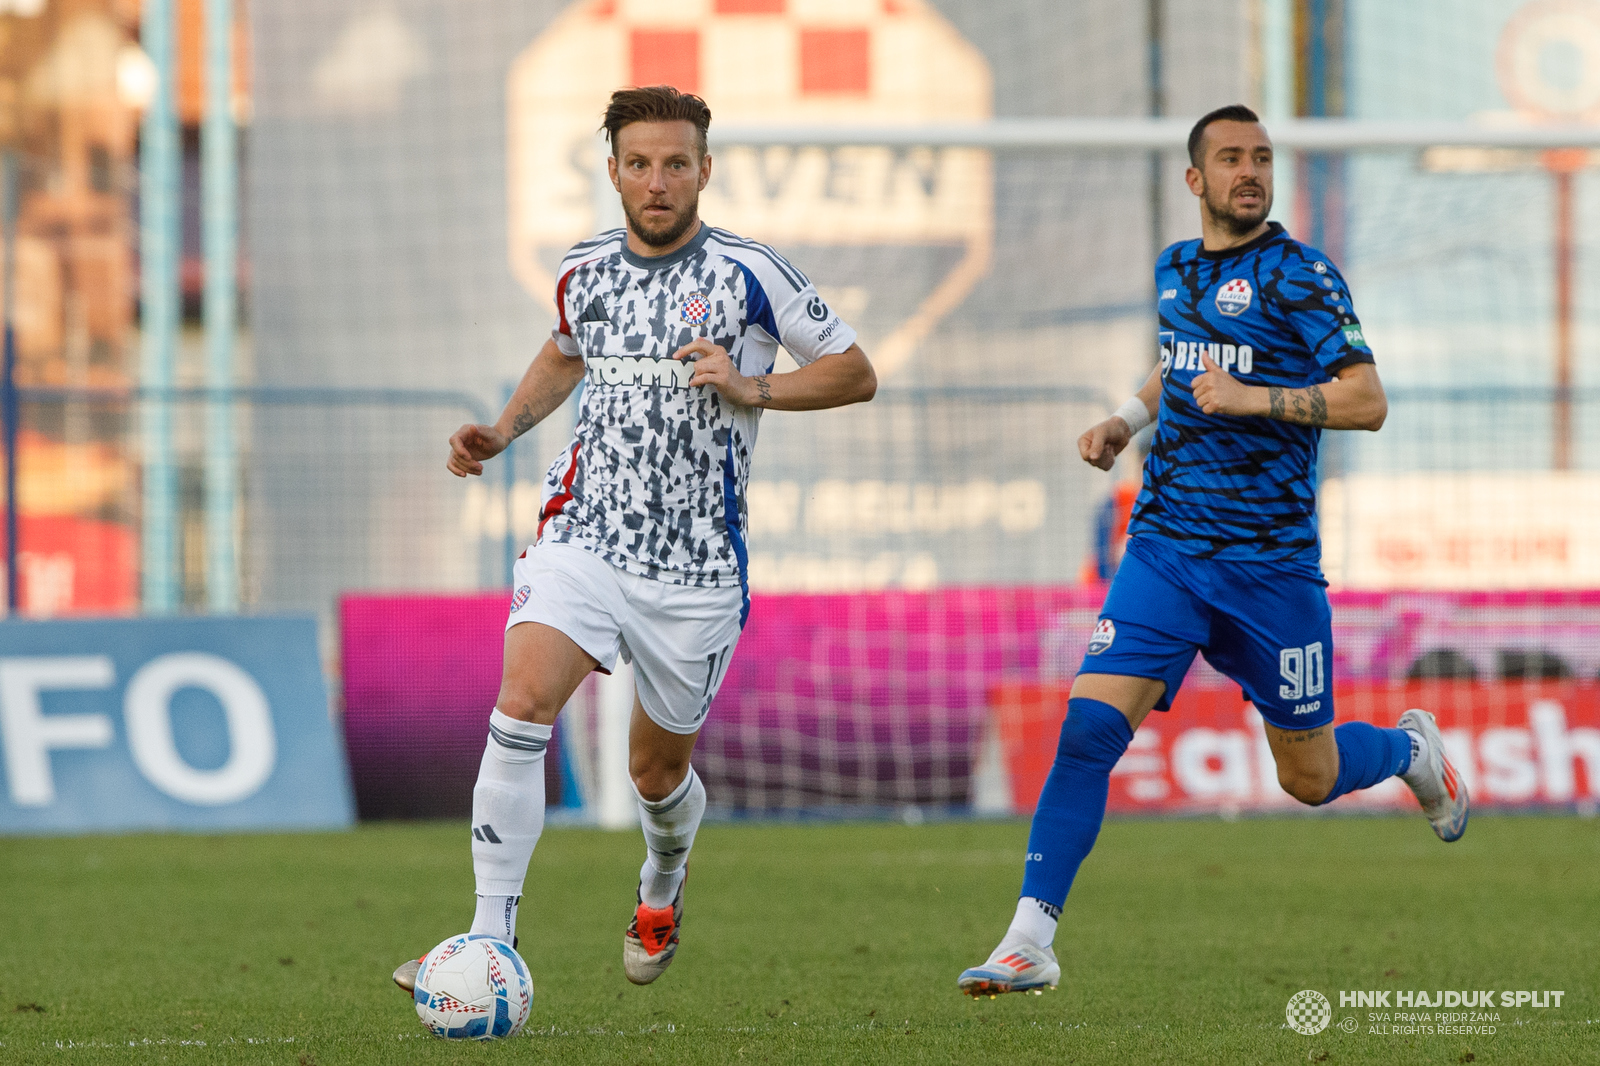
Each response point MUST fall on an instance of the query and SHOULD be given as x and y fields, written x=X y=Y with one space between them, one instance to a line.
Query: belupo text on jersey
x=1185 y=355
x=653 y=480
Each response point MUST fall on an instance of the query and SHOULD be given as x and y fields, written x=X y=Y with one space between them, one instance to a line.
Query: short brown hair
x=656 y=103
x=1231 y=113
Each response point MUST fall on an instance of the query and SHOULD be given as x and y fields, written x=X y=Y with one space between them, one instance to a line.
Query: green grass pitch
x=1182 y=942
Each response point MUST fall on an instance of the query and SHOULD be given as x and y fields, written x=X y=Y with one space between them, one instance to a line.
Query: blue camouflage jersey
x=1271 y=312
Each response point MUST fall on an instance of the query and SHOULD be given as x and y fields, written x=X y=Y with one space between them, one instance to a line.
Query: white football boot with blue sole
x=1017 y=965
x=1442 y=794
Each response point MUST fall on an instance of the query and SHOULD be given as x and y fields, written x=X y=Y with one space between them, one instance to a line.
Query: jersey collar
x=1274 y=231
x=656 y=262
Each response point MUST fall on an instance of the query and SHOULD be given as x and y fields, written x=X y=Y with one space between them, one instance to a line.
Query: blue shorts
x=1267 y=625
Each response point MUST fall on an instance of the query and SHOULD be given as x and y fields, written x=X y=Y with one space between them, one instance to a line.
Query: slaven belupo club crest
x=1234 y=297
x=907 y=232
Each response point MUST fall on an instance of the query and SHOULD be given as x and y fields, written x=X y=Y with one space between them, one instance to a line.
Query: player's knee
x=527 y=705
x=1308 y=785
x=655 y=777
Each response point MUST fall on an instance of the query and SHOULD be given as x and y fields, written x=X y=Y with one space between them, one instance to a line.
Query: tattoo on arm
x=764 y=389
x=1319 y=406
x=1304 y=407
x=523 y=422
x=1297 y=738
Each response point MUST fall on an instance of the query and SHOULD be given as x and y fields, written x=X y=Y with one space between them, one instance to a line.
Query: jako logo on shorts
x=521 y=597
x=1104 y=634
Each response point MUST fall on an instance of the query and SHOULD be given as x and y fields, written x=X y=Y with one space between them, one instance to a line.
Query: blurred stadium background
x=261 y=259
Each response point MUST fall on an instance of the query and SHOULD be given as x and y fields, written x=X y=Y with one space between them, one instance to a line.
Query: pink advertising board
x=885 y=699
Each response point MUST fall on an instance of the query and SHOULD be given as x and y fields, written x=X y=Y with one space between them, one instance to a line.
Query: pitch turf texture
x=1182 y=942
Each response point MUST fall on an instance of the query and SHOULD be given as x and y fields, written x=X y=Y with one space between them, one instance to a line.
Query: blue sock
x=1073 y=803
x=1368 y=754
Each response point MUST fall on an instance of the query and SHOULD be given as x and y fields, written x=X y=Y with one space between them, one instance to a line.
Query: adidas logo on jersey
x=641 y=370
x=595 y=312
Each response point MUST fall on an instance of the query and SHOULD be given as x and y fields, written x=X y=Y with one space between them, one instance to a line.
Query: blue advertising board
x=198 y=723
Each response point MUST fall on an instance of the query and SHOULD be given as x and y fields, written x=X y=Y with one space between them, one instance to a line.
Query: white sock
x=1035 y=921
x=507 y=818
x=1419 y=752
x=669 y=828
x=497 y=916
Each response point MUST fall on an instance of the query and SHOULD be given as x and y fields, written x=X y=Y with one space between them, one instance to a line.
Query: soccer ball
x=473 y=987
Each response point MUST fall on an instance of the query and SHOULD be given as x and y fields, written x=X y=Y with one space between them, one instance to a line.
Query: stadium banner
x=147 y=724
x=892 y=699
x=421 y=674
x=1511 y=743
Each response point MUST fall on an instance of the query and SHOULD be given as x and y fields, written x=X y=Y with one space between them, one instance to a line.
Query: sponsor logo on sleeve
x=1353 y=336
x=817 y=309
x=521 y=597
x=1104 y=633
x=1234 y=297
x=1320 y=267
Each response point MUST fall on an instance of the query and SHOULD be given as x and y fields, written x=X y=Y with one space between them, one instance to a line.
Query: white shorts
x=679 y=638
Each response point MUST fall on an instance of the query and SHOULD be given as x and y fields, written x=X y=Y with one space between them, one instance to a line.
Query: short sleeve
x=1317 y=301
x=808 y=328
x=562 y=333
x=783 y=304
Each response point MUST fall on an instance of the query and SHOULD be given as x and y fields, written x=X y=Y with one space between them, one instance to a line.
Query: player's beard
x=665 y=233
x=1237 y=221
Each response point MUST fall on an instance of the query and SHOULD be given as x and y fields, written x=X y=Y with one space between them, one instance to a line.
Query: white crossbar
x=1022 y=134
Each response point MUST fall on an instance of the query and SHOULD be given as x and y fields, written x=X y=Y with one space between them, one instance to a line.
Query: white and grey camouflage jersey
x=653 y=481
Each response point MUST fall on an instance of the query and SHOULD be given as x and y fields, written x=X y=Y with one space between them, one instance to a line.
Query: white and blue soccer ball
x=473 y=987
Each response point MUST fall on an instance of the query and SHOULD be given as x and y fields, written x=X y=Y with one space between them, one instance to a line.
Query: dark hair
x=656 y=103
x=1231 y=113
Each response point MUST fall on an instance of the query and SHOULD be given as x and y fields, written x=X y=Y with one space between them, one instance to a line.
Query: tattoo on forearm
x=1319 y=406
x=1304 y=407
x=523 y=422
x=764 y=389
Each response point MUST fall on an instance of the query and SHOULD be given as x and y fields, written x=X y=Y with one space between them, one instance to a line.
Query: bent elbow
x=1379 y=413
x=868 y=386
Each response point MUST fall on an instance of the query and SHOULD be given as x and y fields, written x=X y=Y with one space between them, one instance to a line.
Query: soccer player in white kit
x=673 y=328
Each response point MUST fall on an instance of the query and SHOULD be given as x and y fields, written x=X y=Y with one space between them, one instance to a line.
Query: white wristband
x=1135 y=413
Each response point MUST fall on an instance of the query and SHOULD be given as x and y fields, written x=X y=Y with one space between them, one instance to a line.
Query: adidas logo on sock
x=485 y=833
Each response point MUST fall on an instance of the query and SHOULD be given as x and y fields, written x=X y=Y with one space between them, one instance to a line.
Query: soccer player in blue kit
x=1260 y=351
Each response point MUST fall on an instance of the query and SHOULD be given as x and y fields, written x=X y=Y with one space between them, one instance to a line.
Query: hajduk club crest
x=1234 y=297
x=696 y=308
